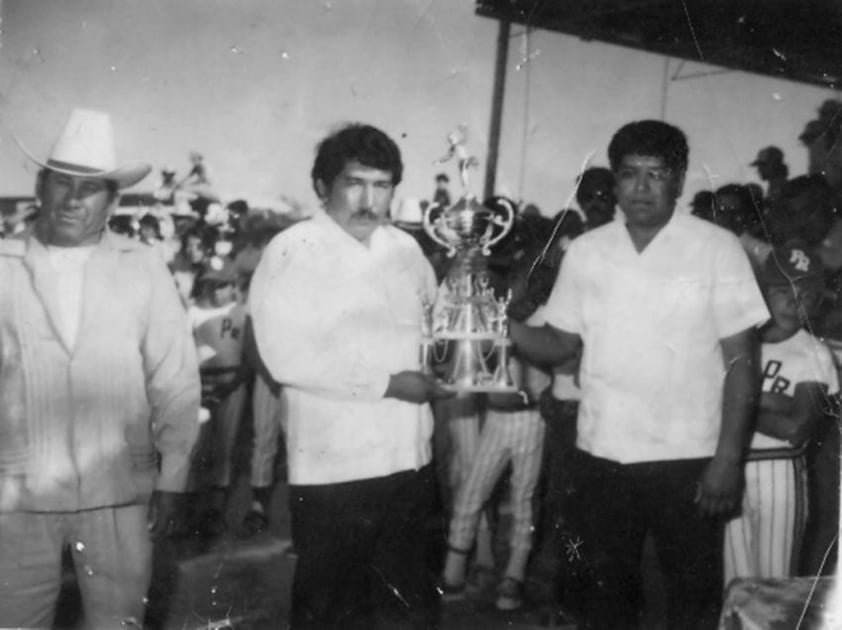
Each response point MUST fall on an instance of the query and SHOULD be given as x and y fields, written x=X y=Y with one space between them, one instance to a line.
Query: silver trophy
x=465 y=332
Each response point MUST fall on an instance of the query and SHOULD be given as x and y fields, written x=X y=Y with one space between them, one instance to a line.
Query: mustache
x=365 y=214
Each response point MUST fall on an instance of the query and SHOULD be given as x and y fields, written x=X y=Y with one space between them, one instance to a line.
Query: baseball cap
x=768 y=155
x=793 y=263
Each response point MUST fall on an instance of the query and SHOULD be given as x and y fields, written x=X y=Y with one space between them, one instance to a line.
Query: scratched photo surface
x=532 y=90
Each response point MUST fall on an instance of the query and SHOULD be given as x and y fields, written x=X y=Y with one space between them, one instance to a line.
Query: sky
x=254 y=85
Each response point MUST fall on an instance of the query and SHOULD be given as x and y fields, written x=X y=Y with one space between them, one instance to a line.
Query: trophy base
x=466 y=336
x=488 y=388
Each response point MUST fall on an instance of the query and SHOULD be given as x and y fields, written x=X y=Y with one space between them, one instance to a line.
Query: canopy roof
x=799 y=40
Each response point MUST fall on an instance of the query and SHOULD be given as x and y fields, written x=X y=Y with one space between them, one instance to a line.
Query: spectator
x=804 y=211
x=771 y=169
x=441 y=196
x=219 y=320
x=166 y=188
x=735 y=210
x=595 y=196
x=150 y=230
x=764 y=541
x=821 y=137
x=703 y=205
x=512 y=433
x=197 y=243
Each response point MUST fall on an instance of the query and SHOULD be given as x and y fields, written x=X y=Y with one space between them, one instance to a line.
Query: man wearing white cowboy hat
x=99 y=393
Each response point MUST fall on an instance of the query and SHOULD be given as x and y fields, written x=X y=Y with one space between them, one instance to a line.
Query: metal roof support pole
x=665 y=86
x=498 y=93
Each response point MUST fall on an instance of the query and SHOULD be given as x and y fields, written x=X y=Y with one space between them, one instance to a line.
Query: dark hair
x=238 y=206
x=366 y=144
x=743 y=218
x=811 y=223
x=207 y=236
x=442 y=177
x=121 y=224
x=152 y=221
x=652 y=138
x=594 y=178
x=702 y=205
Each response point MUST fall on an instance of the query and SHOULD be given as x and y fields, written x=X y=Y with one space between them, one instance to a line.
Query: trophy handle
x=431 y=227
x=504 y=223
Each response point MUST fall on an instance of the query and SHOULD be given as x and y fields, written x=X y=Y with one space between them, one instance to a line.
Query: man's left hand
x=164 y=513
x=720 y=489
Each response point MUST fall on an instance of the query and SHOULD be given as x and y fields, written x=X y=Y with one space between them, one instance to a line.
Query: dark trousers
x=820 y=552
x=362 y=553
x=607 y=510
x=559 y=443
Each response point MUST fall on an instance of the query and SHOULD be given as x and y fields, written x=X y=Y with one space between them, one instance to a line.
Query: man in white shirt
x=337 y=307
x=663 y=307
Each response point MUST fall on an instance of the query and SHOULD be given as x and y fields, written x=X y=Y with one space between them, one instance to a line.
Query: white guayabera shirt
x=652 y=370
x=333 y=319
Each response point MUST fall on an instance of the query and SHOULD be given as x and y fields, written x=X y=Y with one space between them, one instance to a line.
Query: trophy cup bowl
x=467 y=225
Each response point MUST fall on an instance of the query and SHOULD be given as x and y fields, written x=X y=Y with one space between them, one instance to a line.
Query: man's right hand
x=415 y=387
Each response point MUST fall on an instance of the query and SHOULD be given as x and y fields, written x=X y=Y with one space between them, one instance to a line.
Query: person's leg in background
x=267 y=422
x=227 y=417
x=492 y=456
x=527 y=447
x=461 y=420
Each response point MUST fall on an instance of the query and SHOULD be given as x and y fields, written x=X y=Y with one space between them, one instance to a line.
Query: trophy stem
x=426 y=356
x=469 y=368
x=502 y=375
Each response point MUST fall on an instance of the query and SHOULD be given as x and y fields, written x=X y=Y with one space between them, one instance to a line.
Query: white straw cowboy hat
x=86 y=148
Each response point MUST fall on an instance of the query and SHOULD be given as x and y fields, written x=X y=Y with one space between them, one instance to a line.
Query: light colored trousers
x=269 y=421
x=112 y=554
x=765 y=540
x=516 y=436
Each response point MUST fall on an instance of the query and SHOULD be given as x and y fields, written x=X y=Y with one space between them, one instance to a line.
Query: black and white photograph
x=420 y=314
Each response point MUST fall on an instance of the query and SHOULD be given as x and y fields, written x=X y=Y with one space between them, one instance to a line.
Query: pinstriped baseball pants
x=457 y=438
x=765 y=540
x=515 y=436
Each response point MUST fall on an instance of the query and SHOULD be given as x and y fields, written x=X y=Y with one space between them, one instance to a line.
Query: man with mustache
x=337 y=307
x=663 y=308
x=99 y=392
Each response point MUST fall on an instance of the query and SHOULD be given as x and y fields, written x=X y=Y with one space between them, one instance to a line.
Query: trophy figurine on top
x=465 y=332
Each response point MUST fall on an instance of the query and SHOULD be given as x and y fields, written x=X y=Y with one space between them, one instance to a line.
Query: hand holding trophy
x=469 y=330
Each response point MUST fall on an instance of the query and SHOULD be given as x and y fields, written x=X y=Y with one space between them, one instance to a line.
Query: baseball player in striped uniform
x=218 y=320
x=798 y=377
x=513 y=431
x=269 y=422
